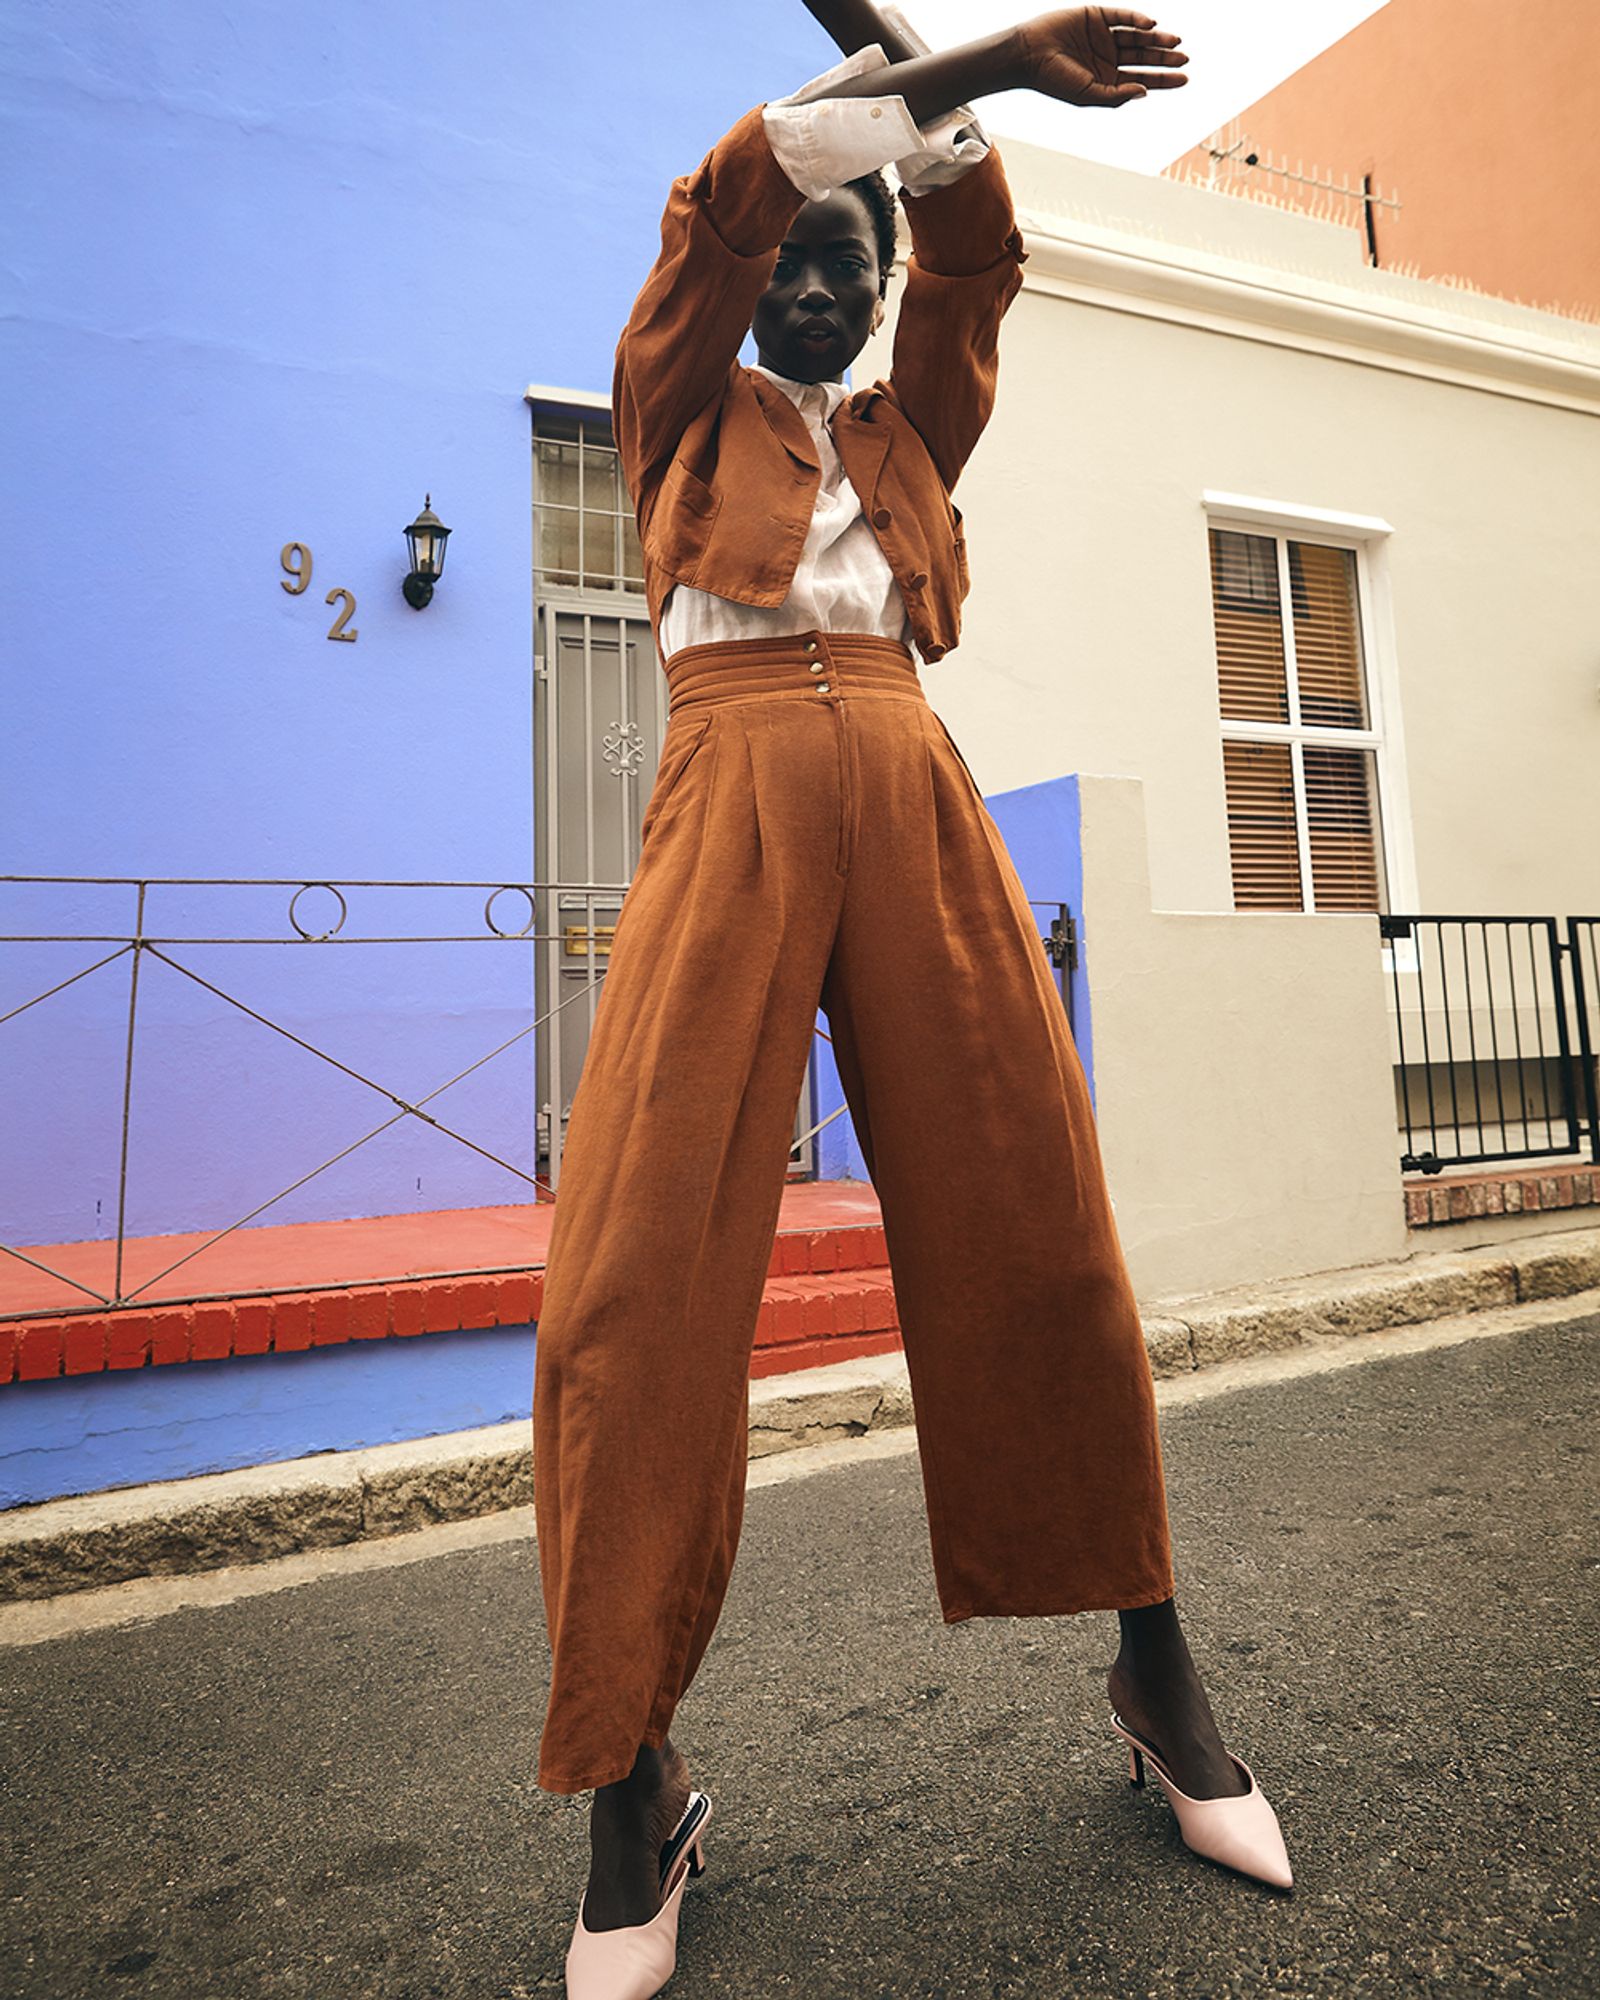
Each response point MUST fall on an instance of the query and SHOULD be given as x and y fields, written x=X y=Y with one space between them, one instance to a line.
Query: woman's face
x=814 y=317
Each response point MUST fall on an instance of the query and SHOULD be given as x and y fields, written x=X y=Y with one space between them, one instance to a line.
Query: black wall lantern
x=425 y=538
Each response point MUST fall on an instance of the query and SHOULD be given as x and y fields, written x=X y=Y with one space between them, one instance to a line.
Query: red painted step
x=828 y=1295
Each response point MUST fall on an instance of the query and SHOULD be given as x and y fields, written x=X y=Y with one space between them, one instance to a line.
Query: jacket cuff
x=742 y=190
x=969 y=224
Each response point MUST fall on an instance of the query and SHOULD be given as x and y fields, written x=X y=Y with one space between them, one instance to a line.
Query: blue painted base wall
x=85 y=1433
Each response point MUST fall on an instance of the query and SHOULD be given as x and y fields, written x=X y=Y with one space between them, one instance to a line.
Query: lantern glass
x=426 y=537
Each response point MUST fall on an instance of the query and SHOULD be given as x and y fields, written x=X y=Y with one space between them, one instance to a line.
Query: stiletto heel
x=1239 y=1833
x=636 y=1961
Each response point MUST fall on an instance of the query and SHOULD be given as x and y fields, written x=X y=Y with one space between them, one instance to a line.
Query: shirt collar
x=804 y=394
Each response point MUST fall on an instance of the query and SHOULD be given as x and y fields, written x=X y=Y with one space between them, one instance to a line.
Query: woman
x=814 y=837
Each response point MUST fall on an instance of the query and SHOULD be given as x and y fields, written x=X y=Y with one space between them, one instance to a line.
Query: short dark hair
x=873 y=192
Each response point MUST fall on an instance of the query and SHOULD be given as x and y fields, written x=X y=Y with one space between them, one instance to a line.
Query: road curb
x=262 y=1512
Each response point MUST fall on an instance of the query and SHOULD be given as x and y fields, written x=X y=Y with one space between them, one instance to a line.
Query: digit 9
x=296 y=561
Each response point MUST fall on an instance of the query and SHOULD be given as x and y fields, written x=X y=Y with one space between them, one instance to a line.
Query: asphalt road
x=1390 y=1578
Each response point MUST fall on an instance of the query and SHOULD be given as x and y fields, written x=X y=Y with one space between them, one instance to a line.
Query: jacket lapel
x=863 y=443
x=784 y=421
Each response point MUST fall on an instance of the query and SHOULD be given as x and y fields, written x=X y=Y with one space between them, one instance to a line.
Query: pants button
x=817 y=667
x=811 y=645
x=822 y=687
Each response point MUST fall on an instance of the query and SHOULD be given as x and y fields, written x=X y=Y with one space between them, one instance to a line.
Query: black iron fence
x=1496 y=1024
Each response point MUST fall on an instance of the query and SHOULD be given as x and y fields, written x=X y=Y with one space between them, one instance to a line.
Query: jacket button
x=882 y=518
x=919 y=581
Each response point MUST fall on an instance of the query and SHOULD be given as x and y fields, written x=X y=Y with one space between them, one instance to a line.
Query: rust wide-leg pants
x=814 y=837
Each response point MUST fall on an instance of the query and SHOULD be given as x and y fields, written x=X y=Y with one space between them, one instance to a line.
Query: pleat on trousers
x=814 y=837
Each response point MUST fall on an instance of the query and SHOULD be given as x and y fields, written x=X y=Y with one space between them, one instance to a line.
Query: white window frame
x=1367 y=536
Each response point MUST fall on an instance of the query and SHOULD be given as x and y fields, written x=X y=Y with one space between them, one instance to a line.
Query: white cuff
x=950 y=145
x=822 y=144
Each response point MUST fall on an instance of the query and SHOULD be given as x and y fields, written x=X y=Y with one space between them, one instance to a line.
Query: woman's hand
x=1082 y=55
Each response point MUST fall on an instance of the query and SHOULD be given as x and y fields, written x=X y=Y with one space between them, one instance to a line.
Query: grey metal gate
x=599 y=715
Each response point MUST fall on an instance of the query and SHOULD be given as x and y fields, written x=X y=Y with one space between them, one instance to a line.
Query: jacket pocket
x=678 y=747
x=681 y=525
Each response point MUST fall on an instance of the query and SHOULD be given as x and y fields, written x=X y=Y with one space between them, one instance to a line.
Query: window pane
x=1327 y=638
x=632 y=554
x=557 y=479
x=558 y=544
x=1342 y=805
x=600 y=477
x=1259 y=781
x=585 y=531
x=1252 y=678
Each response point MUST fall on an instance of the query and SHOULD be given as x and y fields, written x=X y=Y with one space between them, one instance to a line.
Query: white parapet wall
x=1243 y=1082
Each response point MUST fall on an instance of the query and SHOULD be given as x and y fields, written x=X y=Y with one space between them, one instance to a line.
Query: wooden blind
x=1244 y=594
x=1327 y=636
x=1341 y=795
x=1261 y=826
x=1340 y=785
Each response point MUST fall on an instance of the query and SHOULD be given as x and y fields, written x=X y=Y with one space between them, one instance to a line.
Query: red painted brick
x=369 y=1315
x=212 y=1336
x=824 y=1245
x=794 y=1250
x=850 y=1309
x=820 y=1321
x=538 y=1293
x=878 y=1245
x=291 y=1324
x=8 y=1352
x=441 y=1308
x=818 y=1353
x=170 y=1334
x=476 y=1303
x=330 y=1318
x=129 y=1342
x=39 y=1350
x=84 y=1349
x=788 y=1312
x=875 y=1305
x=852 y=1252
x=252 y=1326
x=406 y=1316
x=513 y=1300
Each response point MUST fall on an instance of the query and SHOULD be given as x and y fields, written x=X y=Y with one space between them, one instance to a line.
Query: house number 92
x=296 y=563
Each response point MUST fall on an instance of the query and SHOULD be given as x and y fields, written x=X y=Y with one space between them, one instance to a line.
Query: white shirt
x=842 y=582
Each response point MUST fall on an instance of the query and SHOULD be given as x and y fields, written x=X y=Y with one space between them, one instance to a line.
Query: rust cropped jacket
x=721 y=468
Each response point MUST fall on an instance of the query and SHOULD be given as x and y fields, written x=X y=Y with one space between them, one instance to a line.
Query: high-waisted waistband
x=808 y=666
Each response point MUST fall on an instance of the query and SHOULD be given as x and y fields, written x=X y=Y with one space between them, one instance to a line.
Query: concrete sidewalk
x=340 y=1497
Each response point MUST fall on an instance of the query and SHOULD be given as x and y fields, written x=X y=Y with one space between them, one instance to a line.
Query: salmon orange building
x=1461 y=137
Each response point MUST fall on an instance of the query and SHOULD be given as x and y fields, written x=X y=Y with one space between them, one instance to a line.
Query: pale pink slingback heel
x=1241 y=1833
x=638 y=1960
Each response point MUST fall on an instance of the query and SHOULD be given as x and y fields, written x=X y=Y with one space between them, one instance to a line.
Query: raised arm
x=720 y=233
x=723 y=223
x=1081 y=55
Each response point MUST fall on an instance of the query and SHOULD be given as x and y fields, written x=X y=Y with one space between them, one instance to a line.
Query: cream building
x=1209 y=408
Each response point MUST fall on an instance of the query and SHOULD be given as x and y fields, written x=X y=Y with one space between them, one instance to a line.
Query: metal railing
x=1496 y=1023
x=318 y=915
